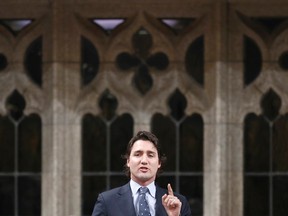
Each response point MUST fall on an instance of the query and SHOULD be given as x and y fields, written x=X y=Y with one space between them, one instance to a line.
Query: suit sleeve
x=185 y=209
x=99 y=207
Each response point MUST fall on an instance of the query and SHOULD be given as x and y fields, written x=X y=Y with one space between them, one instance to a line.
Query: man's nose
x=144 y=159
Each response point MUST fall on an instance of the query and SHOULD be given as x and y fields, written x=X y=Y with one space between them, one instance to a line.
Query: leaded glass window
x=104 y=140
x=20 y=160
x=181 y=138
x=33 y=61
x=265 y=160
x=142 y=61
x=89 y=61
x=194 y=60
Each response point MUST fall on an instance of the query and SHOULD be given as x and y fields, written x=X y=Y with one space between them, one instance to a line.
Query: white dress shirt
x=150 y=197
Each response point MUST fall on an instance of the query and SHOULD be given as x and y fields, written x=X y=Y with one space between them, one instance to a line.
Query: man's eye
x=151 y=155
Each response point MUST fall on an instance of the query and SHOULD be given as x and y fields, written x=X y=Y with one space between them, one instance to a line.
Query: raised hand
x=171 y=203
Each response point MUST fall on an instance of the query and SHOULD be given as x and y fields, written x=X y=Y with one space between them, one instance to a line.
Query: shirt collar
x=135 y=187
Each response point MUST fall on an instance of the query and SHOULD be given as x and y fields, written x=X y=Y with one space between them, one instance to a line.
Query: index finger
x=170 y=190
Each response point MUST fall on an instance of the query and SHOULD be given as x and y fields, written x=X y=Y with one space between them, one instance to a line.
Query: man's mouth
x=143 y=169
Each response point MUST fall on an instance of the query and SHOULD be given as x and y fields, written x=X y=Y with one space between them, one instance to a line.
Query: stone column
x=216 y=119
x=61 y=181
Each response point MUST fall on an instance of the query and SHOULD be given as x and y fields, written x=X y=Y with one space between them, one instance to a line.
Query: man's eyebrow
x=148 y=151
x=138 y=151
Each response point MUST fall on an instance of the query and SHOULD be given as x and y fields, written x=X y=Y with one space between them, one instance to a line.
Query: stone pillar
x=61 y=177
x=216 y=120
x=142 y=121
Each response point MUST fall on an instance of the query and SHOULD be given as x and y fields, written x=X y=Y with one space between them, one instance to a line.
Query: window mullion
x=271 y=168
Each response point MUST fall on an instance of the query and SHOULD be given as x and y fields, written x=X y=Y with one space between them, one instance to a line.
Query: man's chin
x=145 y=178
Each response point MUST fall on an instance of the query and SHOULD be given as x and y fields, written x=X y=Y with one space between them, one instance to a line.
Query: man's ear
x=159 y=165
x=127 y=163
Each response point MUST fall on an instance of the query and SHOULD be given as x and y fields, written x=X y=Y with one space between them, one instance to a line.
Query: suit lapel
x=125 y=201
x=126 y=206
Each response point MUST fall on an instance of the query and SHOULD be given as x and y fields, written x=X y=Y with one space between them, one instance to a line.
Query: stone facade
x=223 y=101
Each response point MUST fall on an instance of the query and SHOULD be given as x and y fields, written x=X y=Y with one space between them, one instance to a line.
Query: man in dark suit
x=143 y=163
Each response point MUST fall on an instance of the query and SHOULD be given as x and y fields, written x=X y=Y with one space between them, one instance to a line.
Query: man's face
x=143 y=162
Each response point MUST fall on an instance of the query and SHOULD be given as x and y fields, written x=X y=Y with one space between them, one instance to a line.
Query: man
x=141 y=196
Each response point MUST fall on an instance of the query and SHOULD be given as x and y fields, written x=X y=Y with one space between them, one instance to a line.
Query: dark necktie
x=143 y=204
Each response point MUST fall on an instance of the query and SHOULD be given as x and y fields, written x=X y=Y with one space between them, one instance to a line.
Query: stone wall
x=223 y=100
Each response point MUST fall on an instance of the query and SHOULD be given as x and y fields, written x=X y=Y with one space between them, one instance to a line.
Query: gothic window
x=265 y=160
x=3 y=62
x=194 y=60
x=283 y=60
x=104 y=140
x=252 y=60
x=15 y=26
x=20 y=160
x=142 y=60
x=177 y=25
x=89 y=61
x=33 y=61
x=181 y=138
x=108 y=25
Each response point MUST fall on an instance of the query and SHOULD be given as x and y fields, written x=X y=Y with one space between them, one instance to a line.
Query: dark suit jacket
x=119 y=202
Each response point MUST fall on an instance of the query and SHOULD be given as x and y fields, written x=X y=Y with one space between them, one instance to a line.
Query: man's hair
x=146 y=136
